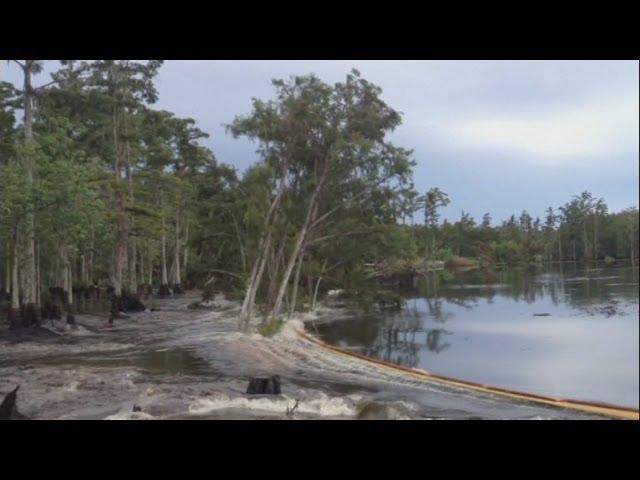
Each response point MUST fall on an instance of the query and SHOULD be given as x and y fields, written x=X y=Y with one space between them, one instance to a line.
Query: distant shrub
x=508 y=251
x=445 y=254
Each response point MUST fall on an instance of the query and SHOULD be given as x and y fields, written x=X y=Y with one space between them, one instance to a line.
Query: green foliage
x=106 y=170
x=271 y=326
x=508 y=251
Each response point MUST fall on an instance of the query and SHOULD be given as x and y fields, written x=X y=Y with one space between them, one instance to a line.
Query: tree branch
x=22 y=66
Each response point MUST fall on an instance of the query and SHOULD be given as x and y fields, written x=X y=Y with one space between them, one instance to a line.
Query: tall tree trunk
x=250 y=297
x=275 y=263
x=122 y=219
x=67 y=276
x=133 y=279
x=30 y=308
x=83 y=270
x=38 y=278
x=141 y=268
x=258 y=265
x=177 y=287
x=150 y=281
x=632 y=243
x=243 y=256
x=14 y=311
x=296 y=280
x=186 y=249
x=7 y=272
x=315 y=292
x=121 y=215
x=302 y=235
x=70 y=306
x=90 y=278
x=118 y=263
x=164 y=281
x=559 y=248
x=595 y=238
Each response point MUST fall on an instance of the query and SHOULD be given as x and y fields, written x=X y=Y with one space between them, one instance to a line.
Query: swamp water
x=176 y=363
x=565 y=331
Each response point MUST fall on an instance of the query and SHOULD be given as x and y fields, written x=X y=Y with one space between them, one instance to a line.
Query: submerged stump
x=30 y=315
x=264 y=386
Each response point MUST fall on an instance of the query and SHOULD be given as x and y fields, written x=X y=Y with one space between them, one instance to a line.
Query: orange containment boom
x=608 y=410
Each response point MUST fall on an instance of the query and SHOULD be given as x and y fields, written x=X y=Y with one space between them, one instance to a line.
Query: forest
x=106 y=200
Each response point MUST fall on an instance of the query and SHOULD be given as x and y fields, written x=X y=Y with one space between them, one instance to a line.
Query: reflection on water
x=488 y=326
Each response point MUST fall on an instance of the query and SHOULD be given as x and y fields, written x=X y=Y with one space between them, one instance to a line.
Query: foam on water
x=323 y=405
x=129 y=415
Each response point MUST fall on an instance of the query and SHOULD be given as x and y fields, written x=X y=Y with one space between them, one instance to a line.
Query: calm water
x=482 y=326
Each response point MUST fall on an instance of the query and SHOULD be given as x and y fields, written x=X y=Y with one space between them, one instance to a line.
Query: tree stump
x=264 y=386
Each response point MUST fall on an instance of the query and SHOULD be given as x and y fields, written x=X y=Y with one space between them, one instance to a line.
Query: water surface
x=566 y=331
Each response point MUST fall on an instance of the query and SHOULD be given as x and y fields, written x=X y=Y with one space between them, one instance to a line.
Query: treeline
x=99 y=189
x=581 y=230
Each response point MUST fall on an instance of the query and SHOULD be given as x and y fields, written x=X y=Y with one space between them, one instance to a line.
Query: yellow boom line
x=589 y=407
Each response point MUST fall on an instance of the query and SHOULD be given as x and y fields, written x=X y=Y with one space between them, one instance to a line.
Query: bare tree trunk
x=585 y=239
x=250 y=296
x=284 y=281
x=631 y=243
x=67 y=273
x=30 y=310
x=141 y=267
x=243 y=257
x=7 y=272
x=133 y=256
x=247 y=303
x=150 y=282
x=38 y=279
x=315 y=292
x=90 y=269
x=595 y=238
x=276 y=262
x=177 y=287
x=302 y=235
x=83 y=270
x=165 y=277
x=559 y=248
x=258 y=265
x=14 y=311
x=118 y=262
x=296 y=280
x=185 y=256
x=70 y=305
x=120 y=251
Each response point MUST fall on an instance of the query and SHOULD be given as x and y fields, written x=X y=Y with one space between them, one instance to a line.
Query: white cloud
x=605 y=127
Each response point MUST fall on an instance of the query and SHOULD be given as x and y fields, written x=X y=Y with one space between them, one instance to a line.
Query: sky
x=496 y=136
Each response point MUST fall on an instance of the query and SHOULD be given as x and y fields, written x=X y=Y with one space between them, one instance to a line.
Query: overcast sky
x=497 y=136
